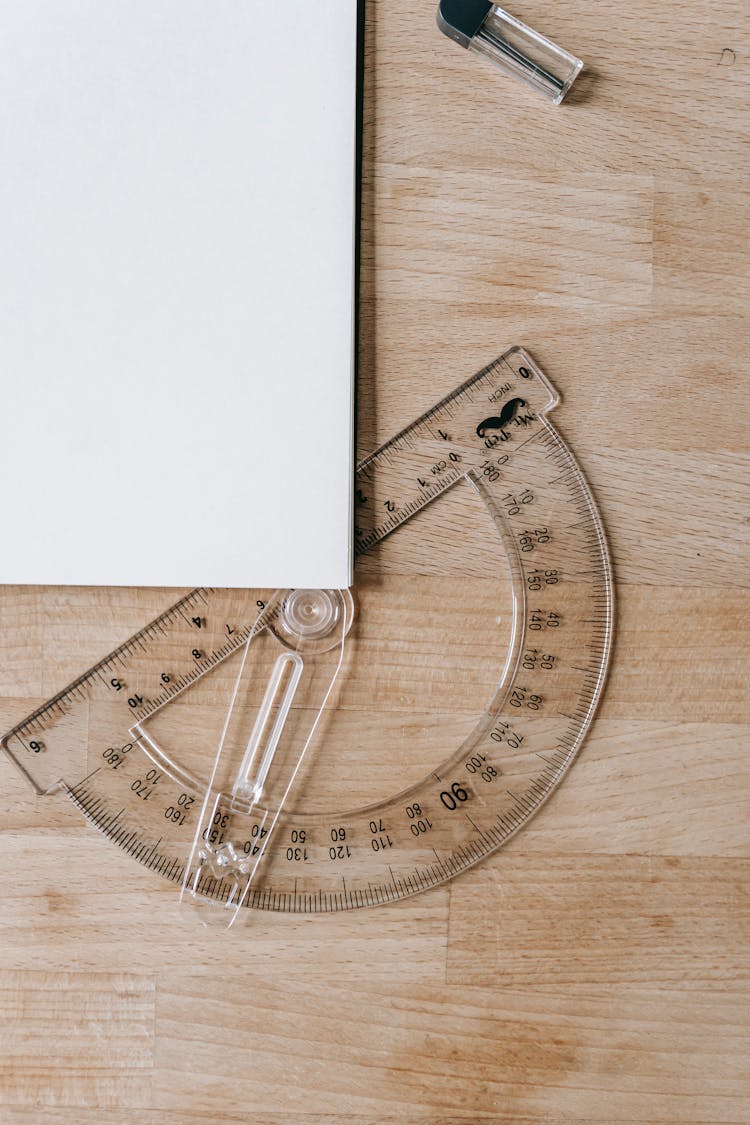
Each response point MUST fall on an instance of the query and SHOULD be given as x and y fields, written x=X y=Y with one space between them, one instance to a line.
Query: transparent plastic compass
x=313 y=751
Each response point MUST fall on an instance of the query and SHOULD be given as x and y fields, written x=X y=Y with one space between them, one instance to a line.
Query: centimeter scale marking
x=493 y=432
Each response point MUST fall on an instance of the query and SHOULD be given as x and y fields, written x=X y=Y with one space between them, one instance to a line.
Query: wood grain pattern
x=595 y=970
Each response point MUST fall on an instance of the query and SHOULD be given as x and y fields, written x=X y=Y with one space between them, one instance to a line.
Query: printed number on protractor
x=378 y=746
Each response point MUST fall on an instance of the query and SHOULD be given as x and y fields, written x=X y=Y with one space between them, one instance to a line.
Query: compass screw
x=310 y=613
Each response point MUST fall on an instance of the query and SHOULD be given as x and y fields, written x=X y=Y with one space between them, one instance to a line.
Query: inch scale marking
x=131 y=741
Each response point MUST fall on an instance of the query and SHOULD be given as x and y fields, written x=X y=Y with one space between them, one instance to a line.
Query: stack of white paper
x=177 y=210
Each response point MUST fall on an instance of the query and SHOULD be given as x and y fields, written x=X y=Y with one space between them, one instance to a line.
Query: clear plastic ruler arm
x=287 y=673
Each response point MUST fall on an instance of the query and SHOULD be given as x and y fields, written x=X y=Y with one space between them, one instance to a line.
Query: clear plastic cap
x=488 y=30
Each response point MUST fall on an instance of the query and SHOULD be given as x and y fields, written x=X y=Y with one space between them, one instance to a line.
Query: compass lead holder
x=490 y=31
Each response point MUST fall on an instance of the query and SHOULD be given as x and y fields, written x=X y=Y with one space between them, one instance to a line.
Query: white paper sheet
x=177 y=187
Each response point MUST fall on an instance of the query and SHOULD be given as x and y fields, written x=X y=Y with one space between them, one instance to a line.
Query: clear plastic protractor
x=474 y=656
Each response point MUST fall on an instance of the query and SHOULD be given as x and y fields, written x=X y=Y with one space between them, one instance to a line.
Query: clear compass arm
x=273 y=713
x=236 y=825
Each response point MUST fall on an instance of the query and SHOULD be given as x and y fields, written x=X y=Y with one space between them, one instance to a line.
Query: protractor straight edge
x=373 y=785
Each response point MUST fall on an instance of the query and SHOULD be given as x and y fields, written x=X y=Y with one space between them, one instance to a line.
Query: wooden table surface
x=595 y=969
